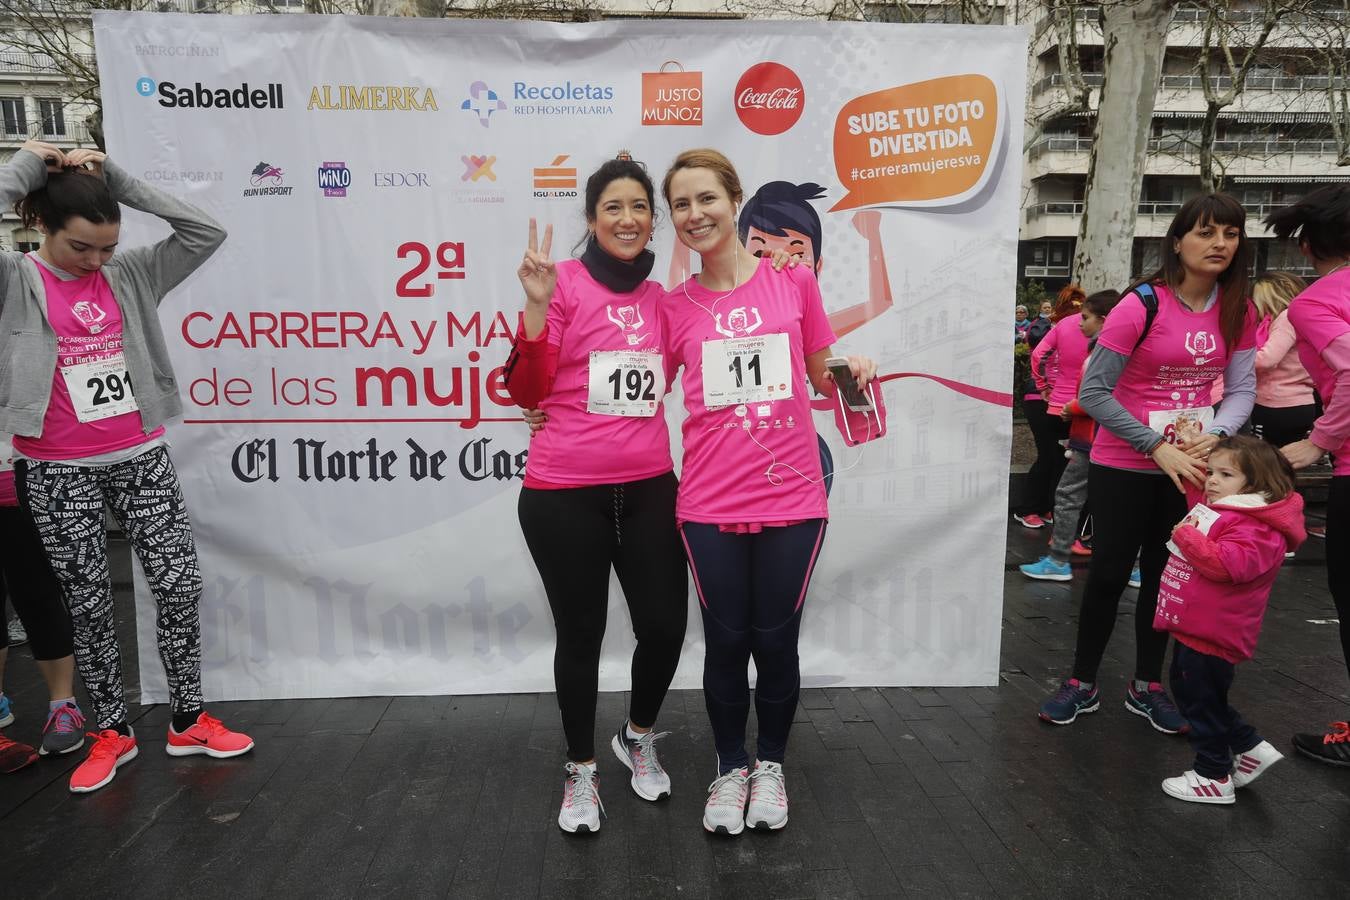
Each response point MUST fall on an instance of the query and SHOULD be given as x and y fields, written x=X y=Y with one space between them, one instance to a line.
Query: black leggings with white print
x=144 y=495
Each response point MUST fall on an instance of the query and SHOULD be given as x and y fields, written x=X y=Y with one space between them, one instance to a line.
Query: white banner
x=350 y=457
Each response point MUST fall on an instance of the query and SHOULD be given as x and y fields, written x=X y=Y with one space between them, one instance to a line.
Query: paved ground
x=895 y=792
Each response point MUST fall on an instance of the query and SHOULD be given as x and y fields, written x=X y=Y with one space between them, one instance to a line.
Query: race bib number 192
x=100 y=390
x=624 y=383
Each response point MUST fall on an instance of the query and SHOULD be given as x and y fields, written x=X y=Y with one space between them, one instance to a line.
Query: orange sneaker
x=109 y=752
x=14 y=756
x=210 y=737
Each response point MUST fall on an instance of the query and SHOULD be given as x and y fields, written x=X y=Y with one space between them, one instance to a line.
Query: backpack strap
x=1150 y=301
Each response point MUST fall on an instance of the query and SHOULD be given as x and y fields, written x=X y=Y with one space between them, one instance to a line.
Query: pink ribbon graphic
x=998 y=398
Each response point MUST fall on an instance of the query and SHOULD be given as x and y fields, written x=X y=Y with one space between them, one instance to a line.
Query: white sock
x=630 y=733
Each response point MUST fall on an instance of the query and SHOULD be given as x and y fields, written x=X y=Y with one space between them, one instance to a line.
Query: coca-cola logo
x=769 y=98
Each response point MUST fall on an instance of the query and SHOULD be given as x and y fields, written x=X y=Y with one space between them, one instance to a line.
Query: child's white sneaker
x=1249 y=766
x=1195 y=788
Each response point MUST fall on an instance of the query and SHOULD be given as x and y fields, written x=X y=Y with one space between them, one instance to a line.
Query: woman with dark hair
x=599 y=489
x=86 y=387
x=1320 y=222
x=1036 y=509
x=1148 y=385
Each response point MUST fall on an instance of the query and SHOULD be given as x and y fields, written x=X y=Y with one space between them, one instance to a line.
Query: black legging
x=33 y=589
x=575 y=535
x=1338 y=555
x=1133 y=512
x=1280 y=425
x=1038 y=496
x=751 y=588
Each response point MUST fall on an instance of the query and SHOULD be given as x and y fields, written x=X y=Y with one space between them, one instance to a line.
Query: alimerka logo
x=372 y=97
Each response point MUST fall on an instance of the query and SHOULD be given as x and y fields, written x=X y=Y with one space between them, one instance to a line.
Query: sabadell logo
x=199 y=96
x=769 y=98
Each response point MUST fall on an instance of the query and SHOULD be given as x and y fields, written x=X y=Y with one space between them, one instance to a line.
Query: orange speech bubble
x=926 y=143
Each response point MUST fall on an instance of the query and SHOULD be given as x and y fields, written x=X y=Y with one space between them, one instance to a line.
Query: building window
x=53 y=118
x=14 y=116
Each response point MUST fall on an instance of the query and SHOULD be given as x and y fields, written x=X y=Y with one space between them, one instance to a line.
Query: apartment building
x=1273 y=144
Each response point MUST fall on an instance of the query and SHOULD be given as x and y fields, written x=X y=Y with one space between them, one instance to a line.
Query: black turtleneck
x=620 y=276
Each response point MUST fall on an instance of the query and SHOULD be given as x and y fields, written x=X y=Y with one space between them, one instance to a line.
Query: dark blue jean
x=1200 y=684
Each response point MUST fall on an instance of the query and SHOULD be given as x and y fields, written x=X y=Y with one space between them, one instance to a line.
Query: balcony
x=71 y=134
x=22 y=63
x=1059 y=218
x=1301 y=83
x=1045 y=271
x=1175 y=155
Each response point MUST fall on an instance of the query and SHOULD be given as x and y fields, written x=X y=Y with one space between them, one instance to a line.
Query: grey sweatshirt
x=139 y=279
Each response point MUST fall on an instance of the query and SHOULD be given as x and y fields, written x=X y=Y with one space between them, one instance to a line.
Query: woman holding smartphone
x=751 y=504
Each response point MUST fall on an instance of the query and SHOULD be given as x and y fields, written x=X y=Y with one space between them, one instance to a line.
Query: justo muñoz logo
x=769 y=98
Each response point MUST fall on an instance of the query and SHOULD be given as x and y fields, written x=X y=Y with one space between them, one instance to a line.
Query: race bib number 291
x=100 y=390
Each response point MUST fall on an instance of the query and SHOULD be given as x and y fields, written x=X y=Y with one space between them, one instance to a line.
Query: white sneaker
x=724 y=813
x=581 y=806
x=1249 y=766
x=768 y=797
x=1195 y=788
x=649 y=781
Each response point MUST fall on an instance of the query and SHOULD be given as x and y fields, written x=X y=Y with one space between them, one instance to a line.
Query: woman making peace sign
x=599 y=485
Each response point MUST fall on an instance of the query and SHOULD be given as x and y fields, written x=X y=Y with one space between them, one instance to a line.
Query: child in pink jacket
x=1226 y=554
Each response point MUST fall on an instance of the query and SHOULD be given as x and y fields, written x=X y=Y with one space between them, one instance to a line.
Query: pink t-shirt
x=88 y=325
x=1166 y=384
x=580 y=447
x=761 y=334
x=1320 y=315
x=1067 y=349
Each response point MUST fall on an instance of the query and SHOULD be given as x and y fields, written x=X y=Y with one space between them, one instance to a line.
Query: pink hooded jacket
x=1214 y=599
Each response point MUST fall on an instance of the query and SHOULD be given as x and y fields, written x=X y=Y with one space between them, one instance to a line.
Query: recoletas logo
x=483 y=102
x=201 y=96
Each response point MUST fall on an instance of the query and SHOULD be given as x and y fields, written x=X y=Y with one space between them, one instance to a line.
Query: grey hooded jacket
x=139 y=279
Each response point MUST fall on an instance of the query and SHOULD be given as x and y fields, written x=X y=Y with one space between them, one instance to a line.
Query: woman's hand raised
x=537 y=274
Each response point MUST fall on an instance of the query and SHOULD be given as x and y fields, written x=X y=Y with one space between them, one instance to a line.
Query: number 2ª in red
x=414 y=282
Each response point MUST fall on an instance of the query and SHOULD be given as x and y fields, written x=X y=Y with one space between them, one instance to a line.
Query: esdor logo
x=769 y=98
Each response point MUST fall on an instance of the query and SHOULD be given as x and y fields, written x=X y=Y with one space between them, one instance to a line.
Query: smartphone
x=853 y=396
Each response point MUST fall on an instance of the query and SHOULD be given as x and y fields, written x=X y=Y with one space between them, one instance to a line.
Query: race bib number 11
x=746 y=370
x=100 y=390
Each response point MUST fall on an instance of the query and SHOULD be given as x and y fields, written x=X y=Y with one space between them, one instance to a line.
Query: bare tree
x=1064 y=18
x=1225 y=29
x=1329 y=28
x=1135 y=35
